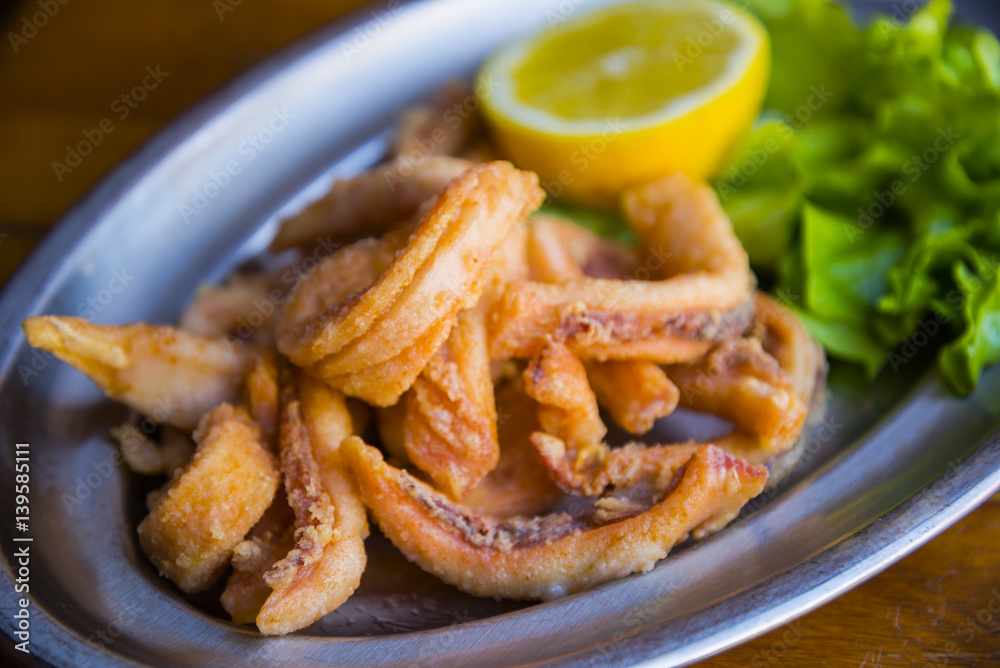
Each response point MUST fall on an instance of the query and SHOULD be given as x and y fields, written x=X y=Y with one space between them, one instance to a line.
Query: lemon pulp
x=628 y=93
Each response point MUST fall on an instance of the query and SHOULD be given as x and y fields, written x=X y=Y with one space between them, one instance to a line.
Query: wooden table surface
x=939 y=607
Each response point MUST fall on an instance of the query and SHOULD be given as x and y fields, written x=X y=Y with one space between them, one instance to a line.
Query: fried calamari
x=370 y=203
x=210 y=506
x=702 y=294
x=450 y=430
x=383 y=336
x=553 y=555
x=324 y=568
x=172 y=376
x=766 y=396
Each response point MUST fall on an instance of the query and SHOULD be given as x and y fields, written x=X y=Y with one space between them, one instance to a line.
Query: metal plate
x=891 y=467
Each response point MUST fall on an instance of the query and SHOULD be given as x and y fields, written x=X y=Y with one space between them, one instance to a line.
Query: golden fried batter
x=702 y=297
x=260 y=393
x=370 y=203
x=520 y=483
x=271 y=539
x=450 y=430
x=441 y=271
x=166 y=374
x=567 y=406
x=204 y=512
x=636 y=393
x=324 y=568
x=767 y=401
x=554 y=555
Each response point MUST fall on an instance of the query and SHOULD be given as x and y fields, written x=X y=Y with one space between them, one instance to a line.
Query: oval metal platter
x=889 y=468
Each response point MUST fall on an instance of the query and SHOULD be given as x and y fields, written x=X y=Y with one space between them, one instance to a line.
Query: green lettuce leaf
x=870 y=186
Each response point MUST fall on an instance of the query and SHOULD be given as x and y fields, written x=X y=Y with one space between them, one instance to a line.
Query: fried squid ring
x=206 y=511
x=441 y=271
x=635 y=392
x=443 y=126
x=554 y=555
x=260 y=393
x=271 y=539
x=567 y=407
x=702 y=297
x=450 y=431
x=571 y=440
x=520 y=484
x=166 y=374
x=764 y=384
x=370 y=203
x=449 y=427
x=324 y=568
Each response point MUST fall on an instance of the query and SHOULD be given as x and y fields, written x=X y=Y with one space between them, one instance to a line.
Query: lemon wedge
x=627 y=94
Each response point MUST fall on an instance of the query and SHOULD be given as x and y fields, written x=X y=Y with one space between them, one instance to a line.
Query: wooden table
x=932 y=609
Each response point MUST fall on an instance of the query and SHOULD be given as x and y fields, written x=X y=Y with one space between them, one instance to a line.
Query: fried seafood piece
x=146 y=457
x=520 y=483
x=766 y=392
x=406 y=313
x=635 y=392
x=344 y=274
x=370 y=203
x=450 y=431
x=244 y=307
x=702 y=294
x=260 y=393
x=270 y=540
x=786 y=339
x=553 y=555
x=446 y=125
x=206 y=510
x=169 y=375
x=571 y=439
x=567 y=406
x=560 y=251
x=324 y=568
x=449 y=426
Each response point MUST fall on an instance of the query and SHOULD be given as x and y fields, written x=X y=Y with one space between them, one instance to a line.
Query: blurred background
x=65 y=65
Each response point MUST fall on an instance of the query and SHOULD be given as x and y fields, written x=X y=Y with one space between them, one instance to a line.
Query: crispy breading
x=324 y=568
x=554 y=555
x=442 y=270
x=208 y=508
x=169 y=375
x=702 y=294
x=370 y=203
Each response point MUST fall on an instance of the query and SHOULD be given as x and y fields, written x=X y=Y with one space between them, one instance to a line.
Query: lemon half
x=627 y=94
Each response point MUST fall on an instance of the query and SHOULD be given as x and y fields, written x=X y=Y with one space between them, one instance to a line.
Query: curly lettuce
x=869 y=191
